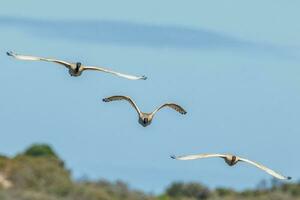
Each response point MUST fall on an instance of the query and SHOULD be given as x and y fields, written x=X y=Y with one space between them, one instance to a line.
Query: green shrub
x=190 y=190
x=223 y=192
x=40 y=150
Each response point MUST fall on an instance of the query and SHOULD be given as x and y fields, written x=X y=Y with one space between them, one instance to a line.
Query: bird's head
x=234 y=158
x=145 y=121
x=78 y=65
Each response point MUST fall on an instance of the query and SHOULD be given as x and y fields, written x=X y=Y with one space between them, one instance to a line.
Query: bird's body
x=75 y=69
x=145 y=119
x=231 y=160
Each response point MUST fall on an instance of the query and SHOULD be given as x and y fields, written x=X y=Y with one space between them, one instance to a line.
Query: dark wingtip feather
x=105 y=100
x=289 y=178
x=9 y=53
x=173 y=156
x=144 y=77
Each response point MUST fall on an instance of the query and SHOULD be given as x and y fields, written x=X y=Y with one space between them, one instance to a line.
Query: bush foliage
x=40 y=150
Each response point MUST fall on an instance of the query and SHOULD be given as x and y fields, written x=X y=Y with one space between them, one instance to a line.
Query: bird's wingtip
x=9 y=53
x=289 y=178
x=144 y=77
x=105 y=100
x=173 y=156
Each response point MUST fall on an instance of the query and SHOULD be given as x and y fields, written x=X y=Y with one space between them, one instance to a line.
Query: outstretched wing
x=264 y=168
x=173 y=106
x=35 y=58
x=198 y=156
x=130 y=77
x=126 y=98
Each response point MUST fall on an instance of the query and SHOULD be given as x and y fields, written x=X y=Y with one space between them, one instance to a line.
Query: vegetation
x=39 y=174
x=40 y=150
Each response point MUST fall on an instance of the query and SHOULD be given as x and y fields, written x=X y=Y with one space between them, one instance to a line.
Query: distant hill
x=39 y=174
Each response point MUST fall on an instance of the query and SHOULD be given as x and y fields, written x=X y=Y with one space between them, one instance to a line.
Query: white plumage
x=75 y=69
x=232 y=160
x=145 y=119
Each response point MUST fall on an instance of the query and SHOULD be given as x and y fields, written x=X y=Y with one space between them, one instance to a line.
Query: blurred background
x=234 y=66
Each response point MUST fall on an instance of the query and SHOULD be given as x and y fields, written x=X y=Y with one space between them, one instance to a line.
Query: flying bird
x=232 y=160
x=75 y=69
x=145 y=119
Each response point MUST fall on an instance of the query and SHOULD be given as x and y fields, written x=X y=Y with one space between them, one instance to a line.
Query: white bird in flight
x=75 y=69
x=232 y=160
x=145 y=119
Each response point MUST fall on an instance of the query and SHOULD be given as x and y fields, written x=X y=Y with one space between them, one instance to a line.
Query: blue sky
x=234 y=66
